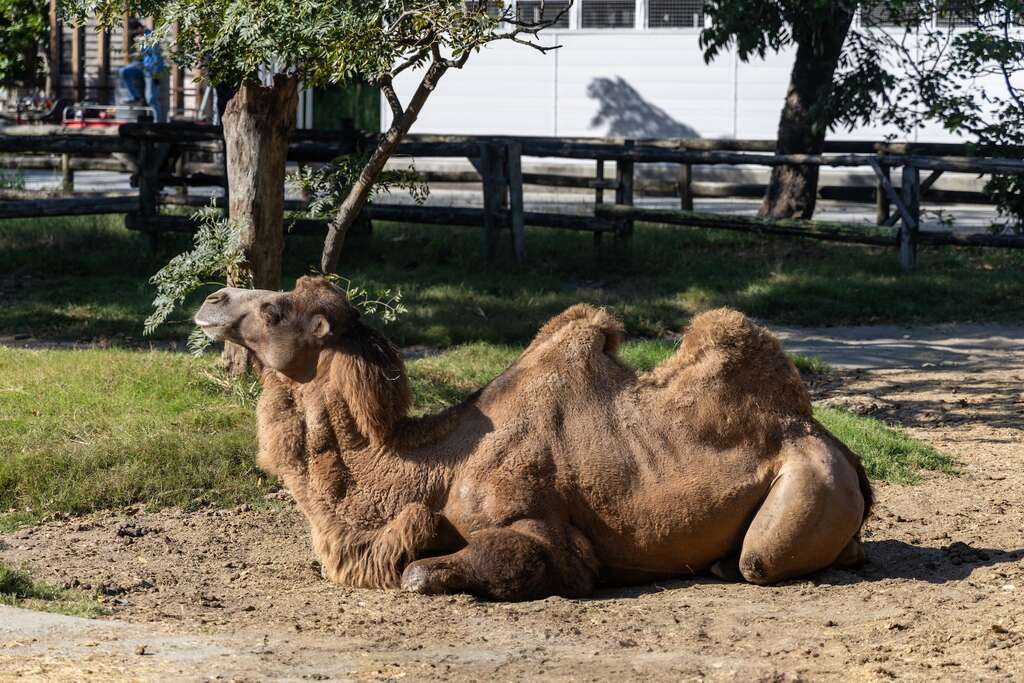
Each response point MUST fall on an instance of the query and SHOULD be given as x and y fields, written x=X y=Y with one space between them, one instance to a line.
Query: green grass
x=889 y=453
x=19 y=589
x=98 y=429
x=82 y=430
x=86 y=278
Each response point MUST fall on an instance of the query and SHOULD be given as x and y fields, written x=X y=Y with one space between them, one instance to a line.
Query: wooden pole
x=491 y=164
x=514 y=164
x=599 y=199
x=911 y=192
x=54 y=84
x=181 y=170
x=624 y=194
x=685 y=187
x=67 y=175
x=151 y=156
x=882 y=205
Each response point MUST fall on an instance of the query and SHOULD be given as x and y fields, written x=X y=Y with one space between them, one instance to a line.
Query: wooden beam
x=67 y=144
x=981 y=239
x=838 y=232
x=883 y=177
x=72 y=206
x=930 y=180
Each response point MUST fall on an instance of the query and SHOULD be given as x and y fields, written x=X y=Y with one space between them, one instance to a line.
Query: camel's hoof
x=727 y=569
x=417 y=579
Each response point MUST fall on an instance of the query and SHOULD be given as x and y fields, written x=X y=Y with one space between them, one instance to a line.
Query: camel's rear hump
x=723 y=351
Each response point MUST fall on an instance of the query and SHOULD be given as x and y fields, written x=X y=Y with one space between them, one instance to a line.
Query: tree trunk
x=350 y=209
x=257 y=123
x=793 y=190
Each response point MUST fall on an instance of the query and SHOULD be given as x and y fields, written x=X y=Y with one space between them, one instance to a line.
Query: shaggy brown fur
x=566 y=470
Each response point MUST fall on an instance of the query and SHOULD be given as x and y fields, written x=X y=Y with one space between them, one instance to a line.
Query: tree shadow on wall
x=627 y=114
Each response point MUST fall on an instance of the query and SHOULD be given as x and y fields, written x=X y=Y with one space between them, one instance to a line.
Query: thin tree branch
x=412 y=61
x=391 y=96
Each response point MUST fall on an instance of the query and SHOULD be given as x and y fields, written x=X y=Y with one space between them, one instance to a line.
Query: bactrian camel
x=566 y=471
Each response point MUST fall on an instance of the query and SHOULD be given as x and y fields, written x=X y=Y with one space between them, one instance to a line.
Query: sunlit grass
x=19 y=589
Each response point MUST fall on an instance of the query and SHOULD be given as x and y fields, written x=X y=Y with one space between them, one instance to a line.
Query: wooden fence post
x=494 y=186
x=67 y=175
x=151 y=157
x=908 y=230
x=624 y=193
x=685 y=187
x=181 y=170
x=514 y=163
x=882 y=205
x=599 y=199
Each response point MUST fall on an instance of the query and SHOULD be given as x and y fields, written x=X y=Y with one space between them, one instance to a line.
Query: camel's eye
x=270 y=313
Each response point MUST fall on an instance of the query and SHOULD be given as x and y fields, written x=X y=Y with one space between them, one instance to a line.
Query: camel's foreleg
x=524 y=561
x=376 y=558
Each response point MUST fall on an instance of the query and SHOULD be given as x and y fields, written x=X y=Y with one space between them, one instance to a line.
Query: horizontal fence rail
x=167 y=160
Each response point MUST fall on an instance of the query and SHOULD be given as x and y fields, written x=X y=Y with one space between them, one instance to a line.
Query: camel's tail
x=862 y=476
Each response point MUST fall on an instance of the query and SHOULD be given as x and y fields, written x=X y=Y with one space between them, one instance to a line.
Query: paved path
x=951 y=345
x=38 y=646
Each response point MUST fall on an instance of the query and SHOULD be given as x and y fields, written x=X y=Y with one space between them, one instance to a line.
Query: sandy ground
x=235 y=594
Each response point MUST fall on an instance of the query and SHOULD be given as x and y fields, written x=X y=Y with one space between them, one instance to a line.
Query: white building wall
x=621 y=83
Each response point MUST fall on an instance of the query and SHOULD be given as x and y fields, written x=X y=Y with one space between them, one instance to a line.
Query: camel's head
x=285 y=330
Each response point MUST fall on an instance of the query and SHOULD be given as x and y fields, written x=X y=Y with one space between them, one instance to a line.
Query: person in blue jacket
x=141 y=77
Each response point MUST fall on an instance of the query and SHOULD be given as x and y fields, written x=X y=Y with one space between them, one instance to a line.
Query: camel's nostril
x=217 y=298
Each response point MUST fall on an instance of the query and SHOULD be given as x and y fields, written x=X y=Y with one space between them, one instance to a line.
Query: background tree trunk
x=793 y=190
x=257 y=123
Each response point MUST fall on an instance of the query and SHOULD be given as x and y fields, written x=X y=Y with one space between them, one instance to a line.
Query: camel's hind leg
x=810 y=519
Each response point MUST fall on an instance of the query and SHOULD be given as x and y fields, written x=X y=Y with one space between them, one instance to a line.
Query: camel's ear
x=320 y=326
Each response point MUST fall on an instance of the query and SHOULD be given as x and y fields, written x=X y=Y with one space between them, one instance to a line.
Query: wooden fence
x=160 y=156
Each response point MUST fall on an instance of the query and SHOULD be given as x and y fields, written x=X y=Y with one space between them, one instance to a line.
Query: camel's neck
x=333 y=436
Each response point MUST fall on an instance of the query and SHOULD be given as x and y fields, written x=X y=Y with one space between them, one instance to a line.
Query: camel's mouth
x=214 y=331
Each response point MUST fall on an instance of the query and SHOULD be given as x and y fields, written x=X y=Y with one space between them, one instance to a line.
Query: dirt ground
x=236 y=595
